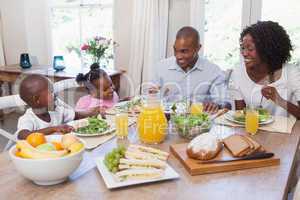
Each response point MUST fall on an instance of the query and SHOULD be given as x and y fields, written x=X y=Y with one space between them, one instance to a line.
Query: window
x=286 y=14
x=222 y=31
x=74 y=21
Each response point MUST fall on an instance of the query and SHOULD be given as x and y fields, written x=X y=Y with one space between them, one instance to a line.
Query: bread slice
x=256 y=144
x=250 y=150
x=236 y=145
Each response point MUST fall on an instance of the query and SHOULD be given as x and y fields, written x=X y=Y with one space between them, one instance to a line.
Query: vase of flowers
x=98 y=50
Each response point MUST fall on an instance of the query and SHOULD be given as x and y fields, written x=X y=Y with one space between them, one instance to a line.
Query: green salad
x=132 y=105
x=263 y=115
x=185 y=124
x=95 y=125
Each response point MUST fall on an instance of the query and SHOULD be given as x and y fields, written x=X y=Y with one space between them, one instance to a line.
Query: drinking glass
x=251 y=121
x=121 y=121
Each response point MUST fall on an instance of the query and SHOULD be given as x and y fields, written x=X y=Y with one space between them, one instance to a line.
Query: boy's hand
x=63 y=128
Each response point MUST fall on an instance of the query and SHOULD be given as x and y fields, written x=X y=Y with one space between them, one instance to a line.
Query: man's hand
x=63 y=128
x=271 y=93
x=210 y=107
x=154 y=89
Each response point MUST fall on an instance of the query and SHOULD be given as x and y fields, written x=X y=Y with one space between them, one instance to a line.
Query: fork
x=260 y=104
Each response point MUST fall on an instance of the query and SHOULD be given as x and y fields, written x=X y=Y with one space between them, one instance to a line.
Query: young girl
x=100 y=87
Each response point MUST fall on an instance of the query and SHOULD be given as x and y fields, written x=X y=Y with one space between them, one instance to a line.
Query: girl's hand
x=125 y=99
x=98 y=110
x=271 y=93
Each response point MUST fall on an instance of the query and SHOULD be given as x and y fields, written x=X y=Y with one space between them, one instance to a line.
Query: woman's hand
x=271 y=93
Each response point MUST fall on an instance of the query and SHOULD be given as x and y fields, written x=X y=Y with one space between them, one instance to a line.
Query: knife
x=255 y=156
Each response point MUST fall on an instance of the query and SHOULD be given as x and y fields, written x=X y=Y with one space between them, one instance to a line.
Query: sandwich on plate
x=141 y=164
x=142 y=152
x=139 y=174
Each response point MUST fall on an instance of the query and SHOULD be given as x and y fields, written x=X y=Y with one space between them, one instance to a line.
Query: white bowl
x=48 y=171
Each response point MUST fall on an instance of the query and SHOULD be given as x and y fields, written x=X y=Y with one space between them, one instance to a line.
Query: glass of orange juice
x=196 y=108
x=152 y=123
x=121 y=121
x=251 y=121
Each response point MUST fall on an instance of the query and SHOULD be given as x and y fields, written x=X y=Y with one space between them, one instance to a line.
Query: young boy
x=46 y=114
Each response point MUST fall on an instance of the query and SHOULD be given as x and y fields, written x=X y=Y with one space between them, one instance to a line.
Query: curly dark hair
x=272 y=43
x=94 y=74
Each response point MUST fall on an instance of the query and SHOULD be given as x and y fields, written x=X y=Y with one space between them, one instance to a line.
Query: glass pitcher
x=152 y=123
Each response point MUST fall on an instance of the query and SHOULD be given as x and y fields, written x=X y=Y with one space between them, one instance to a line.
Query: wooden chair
x=14 y=101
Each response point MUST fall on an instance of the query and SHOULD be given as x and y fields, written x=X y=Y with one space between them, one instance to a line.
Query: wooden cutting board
x=194 y=168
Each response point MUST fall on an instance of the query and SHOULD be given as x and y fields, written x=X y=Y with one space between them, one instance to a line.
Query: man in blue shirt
x=187 y=75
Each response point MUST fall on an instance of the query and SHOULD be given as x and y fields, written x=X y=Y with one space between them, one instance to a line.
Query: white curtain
x=148 y=39
x=2 y=61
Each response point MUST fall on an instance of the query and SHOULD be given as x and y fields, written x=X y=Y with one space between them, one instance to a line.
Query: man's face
x=186 y=52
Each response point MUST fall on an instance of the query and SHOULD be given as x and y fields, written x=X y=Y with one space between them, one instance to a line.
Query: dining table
x=272 y=182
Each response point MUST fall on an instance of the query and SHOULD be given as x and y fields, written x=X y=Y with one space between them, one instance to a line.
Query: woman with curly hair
x=265 y=79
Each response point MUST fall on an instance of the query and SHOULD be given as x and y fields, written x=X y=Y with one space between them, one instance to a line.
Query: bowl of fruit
x=47 y=160
x=190 y=125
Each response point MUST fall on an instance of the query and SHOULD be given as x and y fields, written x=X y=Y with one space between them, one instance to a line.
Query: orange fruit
x=35 y=139
x=57 y=145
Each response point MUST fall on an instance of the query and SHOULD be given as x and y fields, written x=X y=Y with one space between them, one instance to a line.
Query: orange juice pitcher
x=152 y=123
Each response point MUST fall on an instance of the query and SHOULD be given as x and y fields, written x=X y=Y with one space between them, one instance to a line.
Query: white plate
x=229 y=116
x=84 y=122
x=112 y=183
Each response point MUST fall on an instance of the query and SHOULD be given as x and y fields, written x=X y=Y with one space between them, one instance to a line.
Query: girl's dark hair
x=272 y=43
x=94 y=74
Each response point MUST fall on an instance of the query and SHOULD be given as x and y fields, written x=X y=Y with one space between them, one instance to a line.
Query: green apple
x=46 y=147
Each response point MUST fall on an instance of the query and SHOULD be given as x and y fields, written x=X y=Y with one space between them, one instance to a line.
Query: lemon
x=75 y=147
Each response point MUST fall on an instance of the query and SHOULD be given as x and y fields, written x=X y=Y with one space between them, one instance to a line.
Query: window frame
x=50 y=6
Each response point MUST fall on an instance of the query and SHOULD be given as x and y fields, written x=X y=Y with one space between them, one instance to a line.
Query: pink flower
x=85 y=47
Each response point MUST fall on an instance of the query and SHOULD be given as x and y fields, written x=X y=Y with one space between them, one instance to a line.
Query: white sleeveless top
x=288 y=86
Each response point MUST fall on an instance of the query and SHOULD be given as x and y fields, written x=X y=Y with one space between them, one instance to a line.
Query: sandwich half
x=149 y=151
x=139 y=174
x=141 y=164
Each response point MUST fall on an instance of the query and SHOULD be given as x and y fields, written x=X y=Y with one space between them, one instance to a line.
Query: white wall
x=24 y=30
x=14 y=32
x=2 y=60
x=179 y=16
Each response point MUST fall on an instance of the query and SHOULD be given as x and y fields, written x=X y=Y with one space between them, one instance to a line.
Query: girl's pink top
x=87 y=102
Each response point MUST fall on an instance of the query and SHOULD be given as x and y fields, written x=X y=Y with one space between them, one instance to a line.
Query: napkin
x=93 y=142
x=280 y=125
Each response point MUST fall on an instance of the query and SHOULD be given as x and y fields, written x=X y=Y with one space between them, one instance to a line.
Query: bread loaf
x=204 y=147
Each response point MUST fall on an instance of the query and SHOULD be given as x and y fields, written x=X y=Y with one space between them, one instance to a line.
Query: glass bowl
x=189 y=126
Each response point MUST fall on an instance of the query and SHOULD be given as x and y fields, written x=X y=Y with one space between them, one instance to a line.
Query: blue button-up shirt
x=204 y=81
